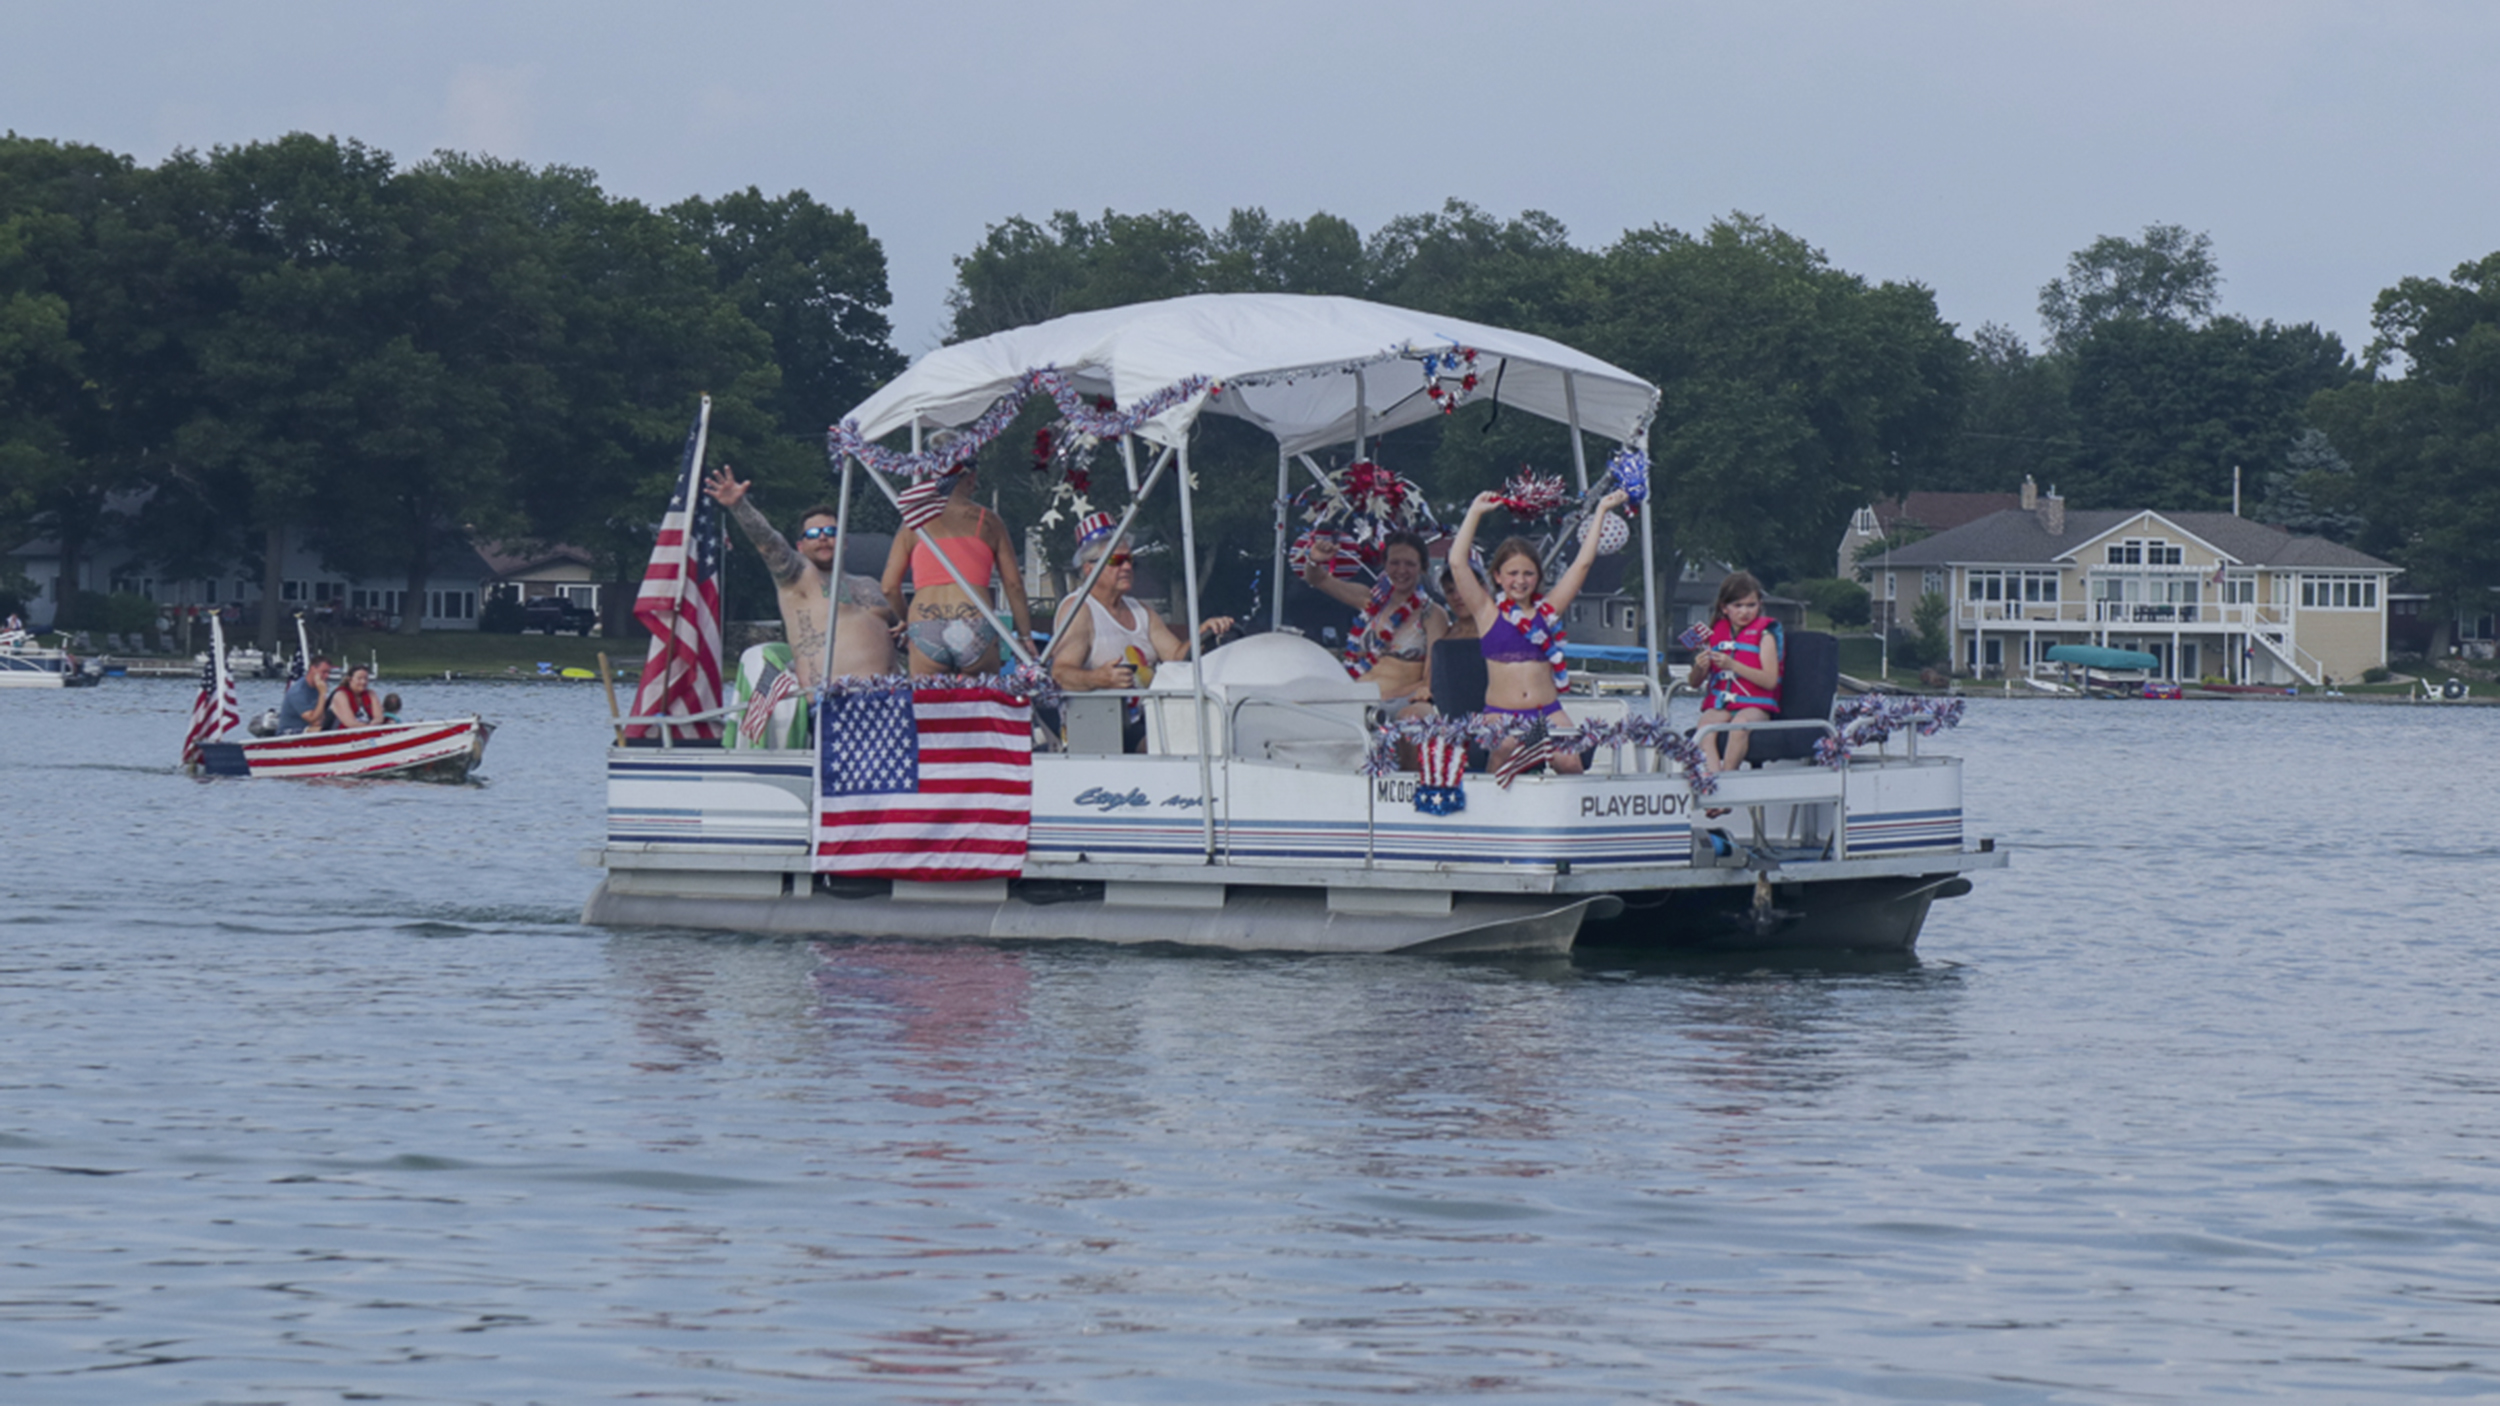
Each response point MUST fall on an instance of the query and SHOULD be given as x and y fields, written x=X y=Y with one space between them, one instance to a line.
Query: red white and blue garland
x=1875 y=717
x=928 y=470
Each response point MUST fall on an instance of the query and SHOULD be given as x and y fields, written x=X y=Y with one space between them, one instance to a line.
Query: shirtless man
x=802 y=580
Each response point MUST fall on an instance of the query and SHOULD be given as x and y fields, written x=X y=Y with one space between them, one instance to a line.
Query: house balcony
x=2200 y=617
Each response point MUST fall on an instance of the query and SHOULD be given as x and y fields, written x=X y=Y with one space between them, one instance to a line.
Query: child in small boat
x=390 y=707
x=1741 y=661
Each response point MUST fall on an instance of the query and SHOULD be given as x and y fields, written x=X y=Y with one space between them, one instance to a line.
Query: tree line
x=303 y=335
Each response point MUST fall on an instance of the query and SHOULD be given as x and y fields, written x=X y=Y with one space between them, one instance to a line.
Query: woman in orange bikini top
x=950 y=631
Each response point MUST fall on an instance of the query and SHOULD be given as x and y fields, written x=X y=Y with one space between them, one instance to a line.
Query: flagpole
x=833 y=581
x=694 y=485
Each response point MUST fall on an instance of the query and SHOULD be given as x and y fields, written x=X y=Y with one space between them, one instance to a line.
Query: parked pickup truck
x=558 y=616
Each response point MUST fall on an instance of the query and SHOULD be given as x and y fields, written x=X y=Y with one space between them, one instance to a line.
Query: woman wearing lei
x=1395 y=623
x=1521 y=632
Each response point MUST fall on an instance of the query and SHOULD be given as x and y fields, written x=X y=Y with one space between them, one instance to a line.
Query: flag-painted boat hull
x=422 y=751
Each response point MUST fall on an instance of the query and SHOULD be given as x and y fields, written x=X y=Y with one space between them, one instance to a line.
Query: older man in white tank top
x=1112 y=623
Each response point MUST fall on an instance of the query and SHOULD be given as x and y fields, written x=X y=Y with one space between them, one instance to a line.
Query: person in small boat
x=1741 y=663
x=1108 y=638
x=306 y=706
x=1395 y=622
x=949 y=631
x=863 y=644
x=1520 y=630
x=390 y=707
x=354 y=703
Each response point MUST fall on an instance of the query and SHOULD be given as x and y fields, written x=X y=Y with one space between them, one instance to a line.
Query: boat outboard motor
x=266 y=725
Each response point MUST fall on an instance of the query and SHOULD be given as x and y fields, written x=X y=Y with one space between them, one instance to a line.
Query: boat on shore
x=1266 y=808
x=26 y=664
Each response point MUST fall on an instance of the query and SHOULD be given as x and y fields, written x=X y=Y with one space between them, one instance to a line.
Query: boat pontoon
x=1261 y=813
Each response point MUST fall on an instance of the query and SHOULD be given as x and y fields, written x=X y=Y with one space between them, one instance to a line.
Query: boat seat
x=1809 y=678
x=1458 y=677
x=1316 y=721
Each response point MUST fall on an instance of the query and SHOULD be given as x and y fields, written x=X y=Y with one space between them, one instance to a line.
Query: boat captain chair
x=1809 y=678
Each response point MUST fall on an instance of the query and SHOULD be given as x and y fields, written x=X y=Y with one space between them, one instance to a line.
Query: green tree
x=1794 y=392
x=2016 y=420
x=2425 y=444
x=2164 y=411
x=2168 y=275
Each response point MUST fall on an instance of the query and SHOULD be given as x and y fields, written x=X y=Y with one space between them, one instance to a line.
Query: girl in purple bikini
x=1520 y=631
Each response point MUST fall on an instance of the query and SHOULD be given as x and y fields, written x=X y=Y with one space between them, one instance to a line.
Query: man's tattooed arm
x=780 y=558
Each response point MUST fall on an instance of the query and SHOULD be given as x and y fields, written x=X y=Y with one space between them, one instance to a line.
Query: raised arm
x=1567 y=587
x=780 y=558
x=1318 y=577
x=1463 y=582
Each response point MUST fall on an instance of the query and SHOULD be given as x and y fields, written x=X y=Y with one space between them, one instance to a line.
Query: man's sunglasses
x=1120 y=559
x=813 y=534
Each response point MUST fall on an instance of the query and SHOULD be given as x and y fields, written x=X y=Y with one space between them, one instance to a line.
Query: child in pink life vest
x=1741 y=661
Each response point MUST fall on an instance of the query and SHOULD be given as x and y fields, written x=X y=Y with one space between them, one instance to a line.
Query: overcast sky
x=2329 y=149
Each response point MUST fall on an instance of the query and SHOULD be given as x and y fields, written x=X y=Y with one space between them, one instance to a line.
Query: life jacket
x=363 y=705
x=1725 y=691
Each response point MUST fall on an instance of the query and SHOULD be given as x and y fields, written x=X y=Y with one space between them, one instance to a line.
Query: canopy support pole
x=1118 y=534
x=1284 y=472
x=1362 y=412
x=1022 y=649
x=833 y=583
x=1579 y=452
x=1650 y=607
x=1128 y=460
x=1198 y=659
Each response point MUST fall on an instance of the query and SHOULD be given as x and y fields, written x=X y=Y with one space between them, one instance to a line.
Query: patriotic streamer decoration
x=1450 y=377
x=1490 y=730
x=1361 y=506
x=1080 y=417
x=1022 y=681
x=1444 y=764
x=1376 y=627
x=1875 y=717
x=1629 y=468
x=1531 y=495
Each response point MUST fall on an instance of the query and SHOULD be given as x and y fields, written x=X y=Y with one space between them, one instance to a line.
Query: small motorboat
x=446 y=751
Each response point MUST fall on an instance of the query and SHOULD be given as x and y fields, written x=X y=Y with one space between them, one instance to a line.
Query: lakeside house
x=2208 y=594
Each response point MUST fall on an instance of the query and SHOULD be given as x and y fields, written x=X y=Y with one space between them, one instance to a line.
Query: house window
x=2143 y=551
x=2339 y=592
x=292 y=590
x=451 y=605
x=1932 y=582
x=2239 y=590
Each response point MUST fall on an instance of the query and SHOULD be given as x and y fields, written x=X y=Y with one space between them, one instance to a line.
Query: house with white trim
x=2208 y=594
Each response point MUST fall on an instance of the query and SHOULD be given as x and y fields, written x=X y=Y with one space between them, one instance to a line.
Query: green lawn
x=480 y=655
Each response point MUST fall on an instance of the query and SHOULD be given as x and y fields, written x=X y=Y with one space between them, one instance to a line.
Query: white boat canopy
x=1310 y=370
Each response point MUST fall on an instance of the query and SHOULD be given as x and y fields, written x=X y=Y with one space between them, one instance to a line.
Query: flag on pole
x=680 y=603
x=213 y=713
x=933 y=784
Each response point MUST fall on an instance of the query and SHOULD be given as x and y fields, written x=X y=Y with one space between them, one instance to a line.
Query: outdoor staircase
x=2277 y=641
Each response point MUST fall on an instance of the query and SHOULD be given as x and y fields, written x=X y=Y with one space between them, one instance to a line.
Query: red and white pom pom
x=1532 y=495
x=1612 y=533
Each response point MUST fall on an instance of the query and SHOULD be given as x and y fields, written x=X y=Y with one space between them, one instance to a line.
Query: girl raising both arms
x=1519 y=630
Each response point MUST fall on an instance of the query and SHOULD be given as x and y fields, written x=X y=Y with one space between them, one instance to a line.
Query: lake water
x=316 y=1093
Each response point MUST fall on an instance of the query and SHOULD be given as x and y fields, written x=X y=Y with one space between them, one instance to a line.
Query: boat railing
x=668 y=723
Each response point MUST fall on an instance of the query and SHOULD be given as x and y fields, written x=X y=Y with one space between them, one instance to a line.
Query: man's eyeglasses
x=814 y=534
x=1120 y=559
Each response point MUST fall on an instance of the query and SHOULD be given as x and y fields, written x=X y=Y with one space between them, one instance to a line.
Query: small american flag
x=935 y=784
x=1533 y=751
x=924 y=500
x=213 y=713
x=759 y=713
x=680 y=603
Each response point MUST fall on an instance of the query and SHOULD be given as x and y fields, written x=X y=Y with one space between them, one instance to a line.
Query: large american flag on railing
x=680 y=603
x=213 y=713
x=932 y=784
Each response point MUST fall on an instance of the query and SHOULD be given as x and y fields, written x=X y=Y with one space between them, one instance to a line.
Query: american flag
x=680 y=603
x=759 y=714
x=213 y=713
x=933 y=784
